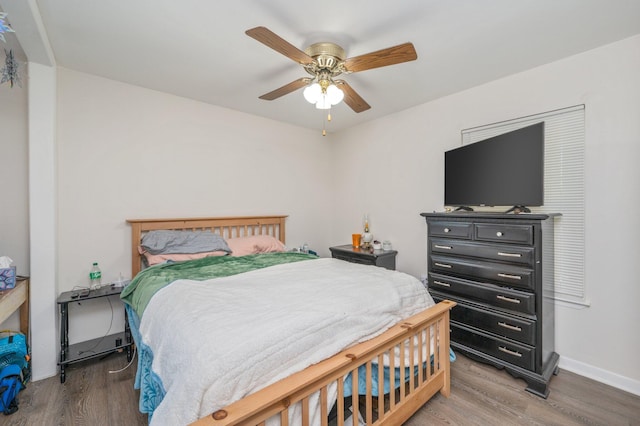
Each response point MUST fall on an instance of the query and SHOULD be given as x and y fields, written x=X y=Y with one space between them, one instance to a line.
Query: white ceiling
x=198 y=49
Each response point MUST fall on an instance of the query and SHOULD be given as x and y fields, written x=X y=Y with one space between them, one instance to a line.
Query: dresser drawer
x=514 y=276
x=504 y=253
x=501 y=297
x=502 y=324
x=521 y=234
x=511 y=352
x=451 y=230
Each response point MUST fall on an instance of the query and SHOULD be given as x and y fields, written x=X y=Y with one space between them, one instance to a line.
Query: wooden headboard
x=227 y=227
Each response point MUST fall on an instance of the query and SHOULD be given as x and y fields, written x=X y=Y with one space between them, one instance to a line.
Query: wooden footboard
x=424 y=338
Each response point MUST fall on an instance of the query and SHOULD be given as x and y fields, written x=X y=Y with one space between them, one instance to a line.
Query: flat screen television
x=504 y=170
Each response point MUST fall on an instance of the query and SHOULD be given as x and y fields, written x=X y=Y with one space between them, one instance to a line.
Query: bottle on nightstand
x=95 y=276
x=367 y=237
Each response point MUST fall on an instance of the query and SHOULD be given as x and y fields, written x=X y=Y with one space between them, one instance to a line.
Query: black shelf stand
x=94 y=348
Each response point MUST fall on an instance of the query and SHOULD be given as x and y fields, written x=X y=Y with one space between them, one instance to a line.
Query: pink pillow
x=154 y=259
x=243 y=246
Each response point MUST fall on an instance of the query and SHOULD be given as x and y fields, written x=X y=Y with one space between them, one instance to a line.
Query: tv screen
x=505 y=170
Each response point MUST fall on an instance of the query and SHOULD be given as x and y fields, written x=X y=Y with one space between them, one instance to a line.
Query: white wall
x=403 y=158
x=14 y=172
x=14 y=180
x=126 y=152
x=42 y=218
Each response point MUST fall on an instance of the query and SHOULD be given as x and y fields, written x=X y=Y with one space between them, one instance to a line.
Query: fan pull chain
x=324 y=123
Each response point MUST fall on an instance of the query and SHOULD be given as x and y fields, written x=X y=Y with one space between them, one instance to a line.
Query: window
x=564 y=190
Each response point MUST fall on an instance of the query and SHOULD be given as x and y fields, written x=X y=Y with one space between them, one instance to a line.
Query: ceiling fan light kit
x=325 y=61
x=323 y=95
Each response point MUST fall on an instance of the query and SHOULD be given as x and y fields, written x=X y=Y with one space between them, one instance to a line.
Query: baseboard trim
x=44 y=375
x=600 y=375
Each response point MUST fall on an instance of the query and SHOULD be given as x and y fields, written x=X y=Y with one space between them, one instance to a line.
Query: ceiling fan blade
x=381 y=58
x=277 y=43
x=352 y=98
x=286 y=89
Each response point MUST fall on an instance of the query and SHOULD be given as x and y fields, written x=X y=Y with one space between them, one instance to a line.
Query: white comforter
x=217 y=341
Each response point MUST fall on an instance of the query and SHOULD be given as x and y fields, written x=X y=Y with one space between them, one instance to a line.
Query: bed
x=371 y=353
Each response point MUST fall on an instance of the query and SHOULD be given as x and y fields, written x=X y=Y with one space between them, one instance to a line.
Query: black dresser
x=498 y=268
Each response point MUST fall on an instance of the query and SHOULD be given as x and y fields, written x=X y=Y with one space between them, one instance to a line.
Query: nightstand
x=383 y=258
x=94 y=348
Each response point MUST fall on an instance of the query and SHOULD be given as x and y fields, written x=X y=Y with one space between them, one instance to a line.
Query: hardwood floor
x=484 y=395
x=480 y=395
x=90 y=396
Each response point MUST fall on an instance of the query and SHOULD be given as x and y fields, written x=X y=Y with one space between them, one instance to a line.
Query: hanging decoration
x=4 y=27
x=10 y=71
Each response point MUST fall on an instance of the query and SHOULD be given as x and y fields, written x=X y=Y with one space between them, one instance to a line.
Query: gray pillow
x=187 y=242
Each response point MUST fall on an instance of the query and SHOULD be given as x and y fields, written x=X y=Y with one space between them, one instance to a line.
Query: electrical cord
x=91 y=349
x=135 y=352
x=80 y=287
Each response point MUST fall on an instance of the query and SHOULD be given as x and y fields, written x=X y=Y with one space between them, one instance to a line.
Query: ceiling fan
x=325 y=61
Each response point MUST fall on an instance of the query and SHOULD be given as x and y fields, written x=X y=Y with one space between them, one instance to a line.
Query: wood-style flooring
x=480 y=395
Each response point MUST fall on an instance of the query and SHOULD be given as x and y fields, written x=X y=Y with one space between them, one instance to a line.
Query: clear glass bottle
x=95 y=276
x=367 y=236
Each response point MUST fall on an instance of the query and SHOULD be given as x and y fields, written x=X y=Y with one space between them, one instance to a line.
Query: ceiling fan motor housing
x=327 y=55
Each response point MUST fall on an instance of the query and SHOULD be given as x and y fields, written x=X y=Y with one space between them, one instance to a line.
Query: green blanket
x=140 y=291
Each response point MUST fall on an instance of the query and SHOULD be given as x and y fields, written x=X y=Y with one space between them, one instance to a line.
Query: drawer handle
x=499 y=234
x=508 y=299
x=509 y=254
x=513 y=277
x=446 y=230
x=509 y=326
x=442 y=284
x=510 y=352
x=442 y=247
x=443 y=265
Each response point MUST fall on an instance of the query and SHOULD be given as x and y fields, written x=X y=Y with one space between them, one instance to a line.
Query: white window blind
x=564 y=190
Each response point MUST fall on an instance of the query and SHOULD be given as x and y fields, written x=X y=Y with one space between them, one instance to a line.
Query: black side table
x=93 y=348
x=383 y=258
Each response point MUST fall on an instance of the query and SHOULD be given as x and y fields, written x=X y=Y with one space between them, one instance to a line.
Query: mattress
x=207 y=343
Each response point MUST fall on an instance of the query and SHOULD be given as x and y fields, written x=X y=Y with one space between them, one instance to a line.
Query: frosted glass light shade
x=312 y=93
x=323 y=102
x=334 y=94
